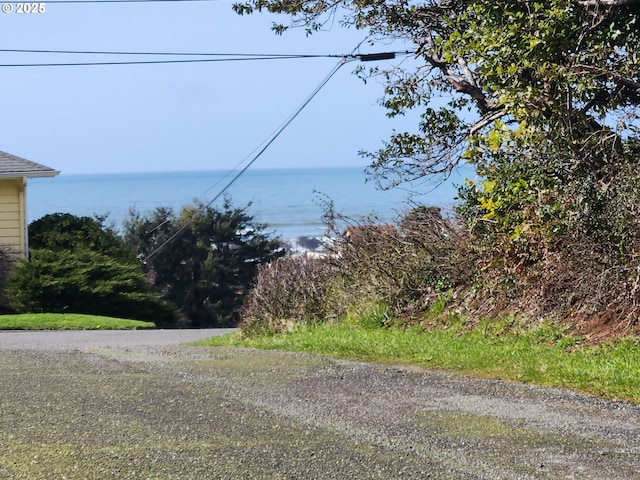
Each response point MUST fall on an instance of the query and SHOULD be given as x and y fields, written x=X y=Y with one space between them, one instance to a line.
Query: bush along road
x=147 y=411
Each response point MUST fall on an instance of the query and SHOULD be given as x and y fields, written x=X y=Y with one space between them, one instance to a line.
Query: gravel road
x=62 y=340
x=138 y=405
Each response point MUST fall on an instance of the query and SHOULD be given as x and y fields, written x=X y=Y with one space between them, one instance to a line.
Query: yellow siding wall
x=12 y=226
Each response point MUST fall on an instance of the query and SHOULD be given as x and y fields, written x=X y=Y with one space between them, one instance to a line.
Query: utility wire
x=267 y=143
x=219 y=57
x=148 y=62
x=180 y=54
x=255 y=157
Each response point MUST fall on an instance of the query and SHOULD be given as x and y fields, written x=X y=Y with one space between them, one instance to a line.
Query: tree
x=511 y=73
x=203 y=260
x=542 y=97
x=7 y=265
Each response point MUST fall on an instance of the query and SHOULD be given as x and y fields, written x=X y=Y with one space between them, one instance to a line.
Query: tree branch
x=461 y=85
x=468 y=74
x=608 y=3
x=486 y=120
x=616 y=77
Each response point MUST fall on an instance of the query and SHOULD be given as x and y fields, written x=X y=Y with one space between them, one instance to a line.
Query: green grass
x=543 y=355
x=68 y=321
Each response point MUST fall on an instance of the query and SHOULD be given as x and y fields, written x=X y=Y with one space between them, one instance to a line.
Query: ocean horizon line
x=361 y=168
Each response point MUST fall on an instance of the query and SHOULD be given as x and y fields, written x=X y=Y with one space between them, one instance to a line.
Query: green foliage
x=548 y=70
x=368 y=316
x=7 y=264
x=64 y=231
x=79 y=265
x=543 y=99
x=208 y=265
x=85 y=282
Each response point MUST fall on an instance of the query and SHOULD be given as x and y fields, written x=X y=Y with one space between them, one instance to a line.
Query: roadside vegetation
x=412 y=295
x=81 y=265
x=191 y=270
x=536 y=277
x=68 y=321
x=542 y=100
x=201 y=260
x=7 y=264
x=541 y=354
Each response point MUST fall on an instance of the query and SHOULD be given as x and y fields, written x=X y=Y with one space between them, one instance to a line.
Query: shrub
x=373 y=272
x=7 y=264
x=85 y=282
x=403 y=267
x=64 y=231
x=560 y=243
x=287 y=291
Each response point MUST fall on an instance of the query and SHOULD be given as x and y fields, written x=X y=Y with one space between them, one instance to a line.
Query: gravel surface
x=137 y=405
x=86 y=339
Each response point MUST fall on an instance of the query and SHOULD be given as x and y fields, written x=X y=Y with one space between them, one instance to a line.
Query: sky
x=181 y=117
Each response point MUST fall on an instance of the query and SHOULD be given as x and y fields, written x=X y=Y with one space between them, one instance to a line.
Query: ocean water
x=289 y=201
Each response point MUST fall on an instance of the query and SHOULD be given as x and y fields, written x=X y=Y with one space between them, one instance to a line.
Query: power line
x=149 y=62
x=219 y=57
x=266 y=144
x=180 y=54
x=255 y=157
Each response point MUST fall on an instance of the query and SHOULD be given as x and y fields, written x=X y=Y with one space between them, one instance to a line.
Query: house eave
x=18 y=175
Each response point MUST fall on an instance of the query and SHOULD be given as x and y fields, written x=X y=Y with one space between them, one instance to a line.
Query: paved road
x=86 y=339
x=108 y=405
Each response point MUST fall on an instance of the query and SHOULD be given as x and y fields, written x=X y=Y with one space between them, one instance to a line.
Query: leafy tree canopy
x=79 y=265
x=496 y=78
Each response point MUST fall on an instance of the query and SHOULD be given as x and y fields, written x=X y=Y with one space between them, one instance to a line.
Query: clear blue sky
x=185 y=116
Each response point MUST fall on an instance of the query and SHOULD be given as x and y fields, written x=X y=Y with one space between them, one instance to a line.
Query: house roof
x=16 y=167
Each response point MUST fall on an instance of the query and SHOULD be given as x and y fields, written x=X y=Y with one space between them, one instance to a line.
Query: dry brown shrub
x=289 y=291
x=404 y=267
x=586 y=283
x=575 y=282
x=593 y=290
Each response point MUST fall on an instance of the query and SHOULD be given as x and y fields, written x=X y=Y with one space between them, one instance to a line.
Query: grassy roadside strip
x=542 y=355
x=68 y=321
